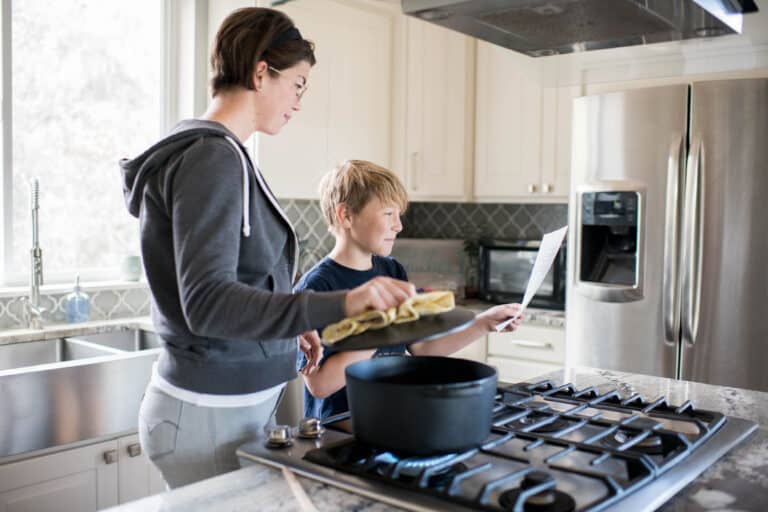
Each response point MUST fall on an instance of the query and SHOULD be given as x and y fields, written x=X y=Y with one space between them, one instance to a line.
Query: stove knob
x=279 y=435
x=310 y=428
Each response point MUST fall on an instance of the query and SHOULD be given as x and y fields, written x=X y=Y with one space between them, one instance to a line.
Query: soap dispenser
x=77 y=304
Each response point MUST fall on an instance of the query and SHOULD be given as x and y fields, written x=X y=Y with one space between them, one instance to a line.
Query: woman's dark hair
x=250 y=35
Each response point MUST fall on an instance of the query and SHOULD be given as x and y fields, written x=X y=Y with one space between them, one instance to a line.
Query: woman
x=220 y=257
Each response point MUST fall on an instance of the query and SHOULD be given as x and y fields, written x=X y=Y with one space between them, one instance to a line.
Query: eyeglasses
x=300 y=88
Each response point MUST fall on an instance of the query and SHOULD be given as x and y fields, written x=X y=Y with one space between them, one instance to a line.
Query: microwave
x=505 y=267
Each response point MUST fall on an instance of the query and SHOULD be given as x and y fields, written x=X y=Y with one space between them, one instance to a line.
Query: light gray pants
x=189 y=443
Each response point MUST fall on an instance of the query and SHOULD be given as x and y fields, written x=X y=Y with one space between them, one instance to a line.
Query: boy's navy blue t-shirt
x=328 y=275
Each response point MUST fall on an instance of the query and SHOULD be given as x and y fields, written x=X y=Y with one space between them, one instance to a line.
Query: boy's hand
x=490 y=318
x=380 y=293
x=309 y=344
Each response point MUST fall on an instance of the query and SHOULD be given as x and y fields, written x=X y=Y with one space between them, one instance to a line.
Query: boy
x=362 y=203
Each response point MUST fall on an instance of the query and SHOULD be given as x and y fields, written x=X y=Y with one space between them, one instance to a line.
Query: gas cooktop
x=551 y=448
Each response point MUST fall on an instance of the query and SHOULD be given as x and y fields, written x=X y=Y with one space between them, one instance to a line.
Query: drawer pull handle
x=110 y=456
x=134 y=450
x=545 y=345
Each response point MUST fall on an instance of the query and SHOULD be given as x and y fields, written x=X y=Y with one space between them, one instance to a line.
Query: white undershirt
x=210 y=400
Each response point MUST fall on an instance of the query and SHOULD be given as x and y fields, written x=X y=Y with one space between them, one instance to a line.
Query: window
x=86 y=87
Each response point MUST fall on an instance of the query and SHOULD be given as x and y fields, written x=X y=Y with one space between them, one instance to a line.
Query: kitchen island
x=738 y=481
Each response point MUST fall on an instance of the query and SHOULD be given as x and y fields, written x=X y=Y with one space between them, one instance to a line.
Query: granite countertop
x=255 y=487
x=739 y=481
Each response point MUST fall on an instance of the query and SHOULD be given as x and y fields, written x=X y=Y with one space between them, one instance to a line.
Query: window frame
x=183 y=94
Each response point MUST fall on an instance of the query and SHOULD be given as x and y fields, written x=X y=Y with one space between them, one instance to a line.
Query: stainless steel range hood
x=549 y=27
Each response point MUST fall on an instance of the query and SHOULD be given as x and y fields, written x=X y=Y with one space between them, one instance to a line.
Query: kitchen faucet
x=33 y=312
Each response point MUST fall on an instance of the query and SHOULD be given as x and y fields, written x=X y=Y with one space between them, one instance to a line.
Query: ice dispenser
x=610 y=248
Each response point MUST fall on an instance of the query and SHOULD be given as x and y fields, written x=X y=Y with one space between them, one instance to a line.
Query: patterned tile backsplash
x=434 y=220
x=422 y=220
x=118 y=301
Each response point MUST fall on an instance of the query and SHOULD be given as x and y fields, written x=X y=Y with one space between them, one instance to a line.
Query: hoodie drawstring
x=246 y=190
x=272 y=199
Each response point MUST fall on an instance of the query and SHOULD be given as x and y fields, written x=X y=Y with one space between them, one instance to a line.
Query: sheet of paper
x=550 y=244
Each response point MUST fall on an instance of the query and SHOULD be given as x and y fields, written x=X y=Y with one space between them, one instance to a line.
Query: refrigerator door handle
x=692 y=245
x=672 y=241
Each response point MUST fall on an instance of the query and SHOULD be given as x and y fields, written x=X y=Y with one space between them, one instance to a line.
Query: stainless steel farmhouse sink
x=32 y=353
x=129 y=340
x=72 y=387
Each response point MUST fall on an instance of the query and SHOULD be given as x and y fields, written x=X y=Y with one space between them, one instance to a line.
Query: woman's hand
x=380 y=293
x=309 y=344
x=492 y=317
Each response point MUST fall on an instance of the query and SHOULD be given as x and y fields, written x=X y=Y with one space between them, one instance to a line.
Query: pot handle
x=453 y=391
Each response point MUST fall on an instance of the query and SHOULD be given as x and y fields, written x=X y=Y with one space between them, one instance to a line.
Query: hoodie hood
x=136 y=171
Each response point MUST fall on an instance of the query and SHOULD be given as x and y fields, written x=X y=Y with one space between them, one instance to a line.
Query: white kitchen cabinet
x=439 y=112
x=529 y=351
x=522 y=130
x=475 y=351
x=345 y=113
x=90 y=477
x=78 y=479
x=518 y=370
x=730 y=55
x=609 y=87
x=557 y=120
x=137 y=476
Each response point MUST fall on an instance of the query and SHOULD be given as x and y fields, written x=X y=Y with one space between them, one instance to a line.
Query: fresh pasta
x=423 y=304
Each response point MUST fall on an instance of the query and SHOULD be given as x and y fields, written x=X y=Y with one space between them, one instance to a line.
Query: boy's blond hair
x=355 y=183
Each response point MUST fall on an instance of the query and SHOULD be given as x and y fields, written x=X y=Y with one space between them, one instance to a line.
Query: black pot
x=421 y=405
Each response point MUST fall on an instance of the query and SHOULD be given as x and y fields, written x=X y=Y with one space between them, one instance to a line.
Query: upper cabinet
x=393 y=90
x=557 y=118
x=345 y=113
x=439 y=108
x=522 y=132
x=458 y=119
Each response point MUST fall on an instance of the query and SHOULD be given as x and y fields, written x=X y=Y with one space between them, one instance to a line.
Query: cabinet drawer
x=536 y=343
x=516 y=370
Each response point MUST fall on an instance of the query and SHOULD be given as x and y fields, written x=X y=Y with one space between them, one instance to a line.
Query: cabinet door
x=138 y=477
x=438 y=111
x=534 y=342
x=77 y=479
x=557 y=109
x=526 y=353
x=508 y=124
x=518 y=370
x=345 y=112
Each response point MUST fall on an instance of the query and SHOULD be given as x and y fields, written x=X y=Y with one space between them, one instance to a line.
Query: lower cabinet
x=518 y=370
x=475 y=351
x=528 y=352
x=137 y=476
x=87 y=478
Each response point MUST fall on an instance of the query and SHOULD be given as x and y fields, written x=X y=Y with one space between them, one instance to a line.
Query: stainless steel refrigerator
x=668 y=220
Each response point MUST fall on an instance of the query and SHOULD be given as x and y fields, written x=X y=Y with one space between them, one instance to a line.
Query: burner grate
x=546 y=441
x=609 y=421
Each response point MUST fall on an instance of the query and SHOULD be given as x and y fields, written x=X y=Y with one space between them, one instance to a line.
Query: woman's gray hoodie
x=221 y=296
